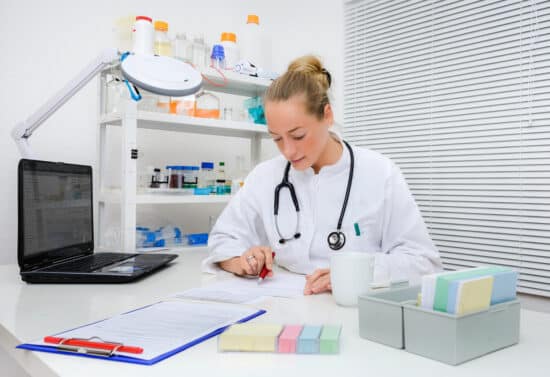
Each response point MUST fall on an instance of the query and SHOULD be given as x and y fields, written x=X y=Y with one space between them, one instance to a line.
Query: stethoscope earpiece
x=296 y=236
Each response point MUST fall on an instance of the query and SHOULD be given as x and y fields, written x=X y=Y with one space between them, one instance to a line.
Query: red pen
x=93 y=345
x=265 y=271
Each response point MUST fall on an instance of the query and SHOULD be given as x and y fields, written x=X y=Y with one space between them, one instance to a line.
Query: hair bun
x=329 y=77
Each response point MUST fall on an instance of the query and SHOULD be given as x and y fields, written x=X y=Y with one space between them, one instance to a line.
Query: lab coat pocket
x=362 y=236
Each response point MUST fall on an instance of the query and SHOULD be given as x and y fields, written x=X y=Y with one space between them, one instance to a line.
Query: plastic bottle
x=239 y=175
x=207 y=178
x=143 y=35
x=230 y=48
x=144 y=237
x=250 y=41
x=201 y=58
x=163 y=46
x=183 y=48
x=168 y=236
x=220 y=179
x=217 y=58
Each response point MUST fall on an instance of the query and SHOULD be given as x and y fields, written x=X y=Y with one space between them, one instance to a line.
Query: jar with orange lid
x=231 y=49
x=163 y=45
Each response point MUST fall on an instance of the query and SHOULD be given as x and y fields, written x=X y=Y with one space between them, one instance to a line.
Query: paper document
x=163 y=327
x=241 y=290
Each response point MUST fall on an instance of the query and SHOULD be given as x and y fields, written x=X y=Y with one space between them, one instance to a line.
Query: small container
x=217 y=58
x=207 y=177
x=158 y=179
x=250 y=41
x=200 y=53
x=207 y=105
x=143 y=36
x=220 y=186
x=221 y=181
x=197 y=239
x=231 y=50
x=227 y=113
x=183 y=48
x=163 y=46
x=190 y=177
x=175 y=176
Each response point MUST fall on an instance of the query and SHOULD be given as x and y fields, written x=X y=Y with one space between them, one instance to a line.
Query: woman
x=347 y=198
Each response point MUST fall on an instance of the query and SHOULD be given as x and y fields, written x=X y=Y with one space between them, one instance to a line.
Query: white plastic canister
x=230 y=48
x=250 y=41
x=143 y=34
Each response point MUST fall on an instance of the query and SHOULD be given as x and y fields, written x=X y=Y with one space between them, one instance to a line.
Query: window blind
x=457 y=94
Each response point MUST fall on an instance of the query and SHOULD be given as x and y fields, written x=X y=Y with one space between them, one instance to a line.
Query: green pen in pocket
x=357 y=230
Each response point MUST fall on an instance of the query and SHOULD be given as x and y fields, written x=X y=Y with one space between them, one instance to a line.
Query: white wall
x=45 y=43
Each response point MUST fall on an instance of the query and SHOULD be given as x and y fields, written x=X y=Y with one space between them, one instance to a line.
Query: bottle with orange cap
x=163 y=46
x=250 y=41
x=230 y=48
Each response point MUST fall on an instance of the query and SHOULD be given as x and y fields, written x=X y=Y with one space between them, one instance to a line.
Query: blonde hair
x=304 y=76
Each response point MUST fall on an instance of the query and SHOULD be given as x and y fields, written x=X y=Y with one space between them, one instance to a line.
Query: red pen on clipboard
x=93 y=345
x=265 y=271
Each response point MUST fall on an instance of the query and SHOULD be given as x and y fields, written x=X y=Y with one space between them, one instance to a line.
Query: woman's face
x=300 y=137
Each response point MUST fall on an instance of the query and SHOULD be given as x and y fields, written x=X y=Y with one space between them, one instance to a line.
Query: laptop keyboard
x=90 y=263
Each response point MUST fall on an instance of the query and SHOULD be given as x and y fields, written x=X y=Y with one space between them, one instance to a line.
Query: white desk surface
x=29 y=312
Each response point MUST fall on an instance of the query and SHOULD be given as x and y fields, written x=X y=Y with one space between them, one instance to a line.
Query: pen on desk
x=93 y=344
x=265 y=271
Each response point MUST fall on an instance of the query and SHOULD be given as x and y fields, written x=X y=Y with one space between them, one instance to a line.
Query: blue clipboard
x=135 y=360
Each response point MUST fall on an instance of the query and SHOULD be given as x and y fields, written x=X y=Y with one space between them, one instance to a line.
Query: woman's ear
x=328 y=115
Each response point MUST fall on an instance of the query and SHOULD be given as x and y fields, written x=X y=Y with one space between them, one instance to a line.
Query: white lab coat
x=380 y=203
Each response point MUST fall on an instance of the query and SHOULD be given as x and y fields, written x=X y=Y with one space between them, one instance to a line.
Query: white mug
x=351 y=274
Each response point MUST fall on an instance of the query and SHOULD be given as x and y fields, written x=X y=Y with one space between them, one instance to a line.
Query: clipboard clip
x=93 y=346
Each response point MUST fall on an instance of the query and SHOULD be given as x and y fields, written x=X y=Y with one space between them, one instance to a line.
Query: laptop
x=55 y=230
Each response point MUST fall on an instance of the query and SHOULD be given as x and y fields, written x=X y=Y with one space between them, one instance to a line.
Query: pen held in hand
x=265 y=271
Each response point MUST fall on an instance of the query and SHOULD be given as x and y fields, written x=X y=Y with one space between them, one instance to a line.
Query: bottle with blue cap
x=217 y=59
x=207 y=177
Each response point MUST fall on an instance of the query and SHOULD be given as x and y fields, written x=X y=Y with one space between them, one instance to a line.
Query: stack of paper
x=470 y=295
x=460 y=291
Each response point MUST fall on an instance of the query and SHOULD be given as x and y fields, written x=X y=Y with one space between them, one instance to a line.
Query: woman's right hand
x=250 y=262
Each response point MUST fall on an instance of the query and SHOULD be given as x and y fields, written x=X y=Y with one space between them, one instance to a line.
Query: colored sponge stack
x=251 y=337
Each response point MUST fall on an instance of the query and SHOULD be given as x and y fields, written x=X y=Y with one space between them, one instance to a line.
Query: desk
x=29 y=312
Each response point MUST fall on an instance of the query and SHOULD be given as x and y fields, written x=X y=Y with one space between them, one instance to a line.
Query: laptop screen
x=55 y=211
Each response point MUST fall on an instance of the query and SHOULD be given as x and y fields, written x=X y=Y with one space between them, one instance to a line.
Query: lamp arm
x=23 y=130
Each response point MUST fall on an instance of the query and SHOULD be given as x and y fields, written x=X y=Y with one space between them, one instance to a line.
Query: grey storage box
x=454 y=339
x=381 y=315
x=391 y=317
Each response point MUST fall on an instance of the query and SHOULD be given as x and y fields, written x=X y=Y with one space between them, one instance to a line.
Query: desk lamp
x=158 y=74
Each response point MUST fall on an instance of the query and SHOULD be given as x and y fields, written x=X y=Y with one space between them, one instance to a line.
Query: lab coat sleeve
x=407 y=249
x=238 y=228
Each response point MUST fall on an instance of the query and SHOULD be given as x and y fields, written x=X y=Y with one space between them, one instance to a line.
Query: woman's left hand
x=318 y=282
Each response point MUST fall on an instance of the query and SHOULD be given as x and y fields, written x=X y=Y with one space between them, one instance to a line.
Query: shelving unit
x=127 y=197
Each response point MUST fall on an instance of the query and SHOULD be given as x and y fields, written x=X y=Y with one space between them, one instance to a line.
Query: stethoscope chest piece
x=336 y=240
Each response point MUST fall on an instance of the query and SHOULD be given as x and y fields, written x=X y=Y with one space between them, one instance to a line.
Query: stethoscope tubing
x=285 y=183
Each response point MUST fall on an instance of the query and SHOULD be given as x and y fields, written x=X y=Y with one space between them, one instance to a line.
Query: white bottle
x=143 y=35
x=250 y=41
x=230 y=49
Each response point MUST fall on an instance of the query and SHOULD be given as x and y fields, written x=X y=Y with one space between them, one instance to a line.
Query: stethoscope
x=337 y=239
